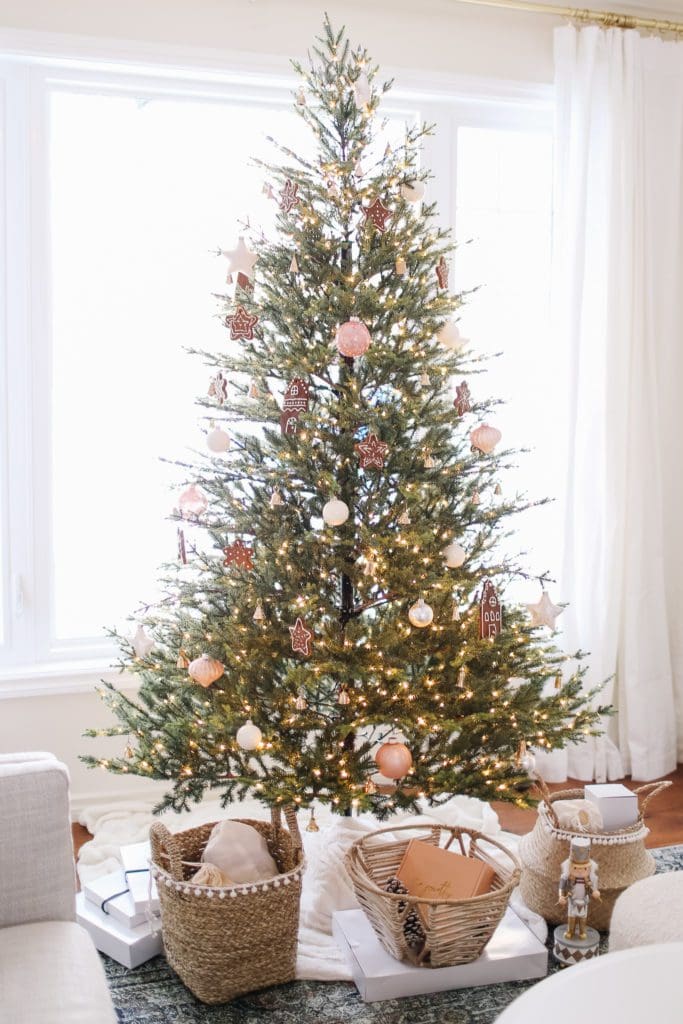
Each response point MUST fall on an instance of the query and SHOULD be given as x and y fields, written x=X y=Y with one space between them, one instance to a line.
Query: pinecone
x=412 y=926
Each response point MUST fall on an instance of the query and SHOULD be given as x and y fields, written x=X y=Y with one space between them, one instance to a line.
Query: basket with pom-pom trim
x=621 y=856
x=225 y=941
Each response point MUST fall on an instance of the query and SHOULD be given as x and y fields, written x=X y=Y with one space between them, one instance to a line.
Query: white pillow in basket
x=578 y=815
x=240 y=852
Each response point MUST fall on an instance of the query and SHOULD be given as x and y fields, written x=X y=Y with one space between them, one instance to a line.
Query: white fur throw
x=648 y=911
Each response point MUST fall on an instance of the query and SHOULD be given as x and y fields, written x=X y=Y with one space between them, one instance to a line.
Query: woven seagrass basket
x=226 y=941
x=621 y=857
x=456 y=930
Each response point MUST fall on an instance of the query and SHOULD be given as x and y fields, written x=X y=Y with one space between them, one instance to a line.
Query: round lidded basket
x=456 y=931
x=621 y=857
x=225 y=941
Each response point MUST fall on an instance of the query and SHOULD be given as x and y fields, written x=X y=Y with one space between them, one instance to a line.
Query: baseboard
x=153 y=791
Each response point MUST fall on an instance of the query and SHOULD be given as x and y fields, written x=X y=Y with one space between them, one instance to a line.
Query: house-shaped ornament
x=296 y=395
x=490 y=612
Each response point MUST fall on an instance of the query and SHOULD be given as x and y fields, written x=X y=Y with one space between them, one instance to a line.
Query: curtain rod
x=607 y=19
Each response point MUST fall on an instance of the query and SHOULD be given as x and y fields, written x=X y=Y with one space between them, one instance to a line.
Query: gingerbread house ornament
x=289 y=421
x=296 y=395
x=295 y=402
x=490 y=612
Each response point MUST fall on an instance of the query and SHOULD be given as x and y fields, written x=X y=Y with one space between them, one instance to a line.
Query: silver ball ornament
x=421 y=614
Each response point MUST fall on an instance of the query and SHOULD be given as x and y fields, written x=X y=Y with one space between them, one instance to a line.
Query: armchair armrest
x=37 y=881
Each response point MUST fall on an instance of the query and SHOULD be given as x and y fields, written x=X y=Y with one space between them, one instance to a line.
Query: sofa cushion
x=37 y=881
x=51 y=973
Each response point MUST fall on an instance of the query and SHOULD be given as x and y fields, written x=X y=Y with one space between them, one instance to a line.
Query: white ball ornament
x=335 y=512
x=449 y=336
x=454 y=555
x=249 y=735
x=217 y=440
x=413 y=191
x=421 y=614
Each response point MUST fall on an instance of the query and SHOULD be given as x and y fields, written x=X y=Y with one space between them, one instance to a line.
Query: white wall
x=56 y=723
x=438 y=35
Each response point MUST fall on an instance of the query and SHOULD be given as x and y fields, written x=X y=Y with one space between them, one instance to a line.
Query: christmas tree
x=344 y=612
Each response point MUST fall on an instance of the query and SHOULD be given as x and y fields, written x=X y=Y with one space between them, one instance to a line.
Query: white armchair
x=50 y=972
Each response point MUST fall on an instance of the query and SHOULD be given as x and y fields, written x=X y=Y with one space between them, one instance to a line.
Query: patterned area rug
x=152 y=994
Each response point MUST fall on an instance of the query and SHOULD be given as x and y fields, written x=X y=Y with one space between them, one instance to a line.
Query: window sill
x=60 y=677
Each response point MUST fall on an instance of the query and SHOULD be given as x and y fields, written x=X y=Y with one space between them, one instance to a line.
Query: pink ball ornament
x=485 y=438
x=394 y=760
x=217 y=440
x=193 y=501
x=353 y=338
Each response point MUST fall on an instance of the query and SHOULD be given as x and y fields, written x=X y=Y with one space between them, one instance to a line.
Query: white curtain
x=618 y=305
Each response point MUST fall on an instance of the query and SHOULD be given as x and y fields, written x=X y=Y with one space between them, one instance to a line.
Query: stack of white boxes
x=121 y=910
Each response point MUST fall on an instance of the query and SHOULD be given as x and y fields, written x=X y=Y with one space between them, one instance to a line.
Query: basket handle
x=292 y=822
x=647 y=792
x=164 y=843
x=545 y=794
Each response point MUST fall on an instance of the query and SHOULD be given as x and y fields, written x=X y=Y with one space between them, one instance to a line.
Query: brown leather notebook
x=436 y=874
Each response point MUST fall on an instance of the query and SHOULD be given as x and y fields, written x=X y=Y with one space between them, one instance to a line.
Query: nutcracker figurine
x=578 y=885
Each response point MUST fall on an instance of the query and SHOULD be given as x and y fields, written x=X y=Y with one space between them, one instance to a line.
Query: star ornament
x=377 y=213
x=545 y=612
x=241 y=324
x=288 y=196
x=372 y=452
x=240 y=555
x=301 y=638
x=240 y=259
x=142 y=643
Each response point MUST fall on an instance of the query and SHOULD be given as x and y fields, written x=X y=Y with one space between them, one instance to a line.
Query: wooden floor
x=664 y=815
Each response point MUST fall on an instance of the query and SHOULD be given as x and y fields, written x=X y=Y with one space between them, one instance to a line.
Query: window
x=503 y=222
x=120 y=188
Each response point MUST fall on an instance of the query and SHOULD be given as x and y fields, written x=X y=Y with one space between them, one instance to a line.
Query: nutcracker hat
x=580 y=850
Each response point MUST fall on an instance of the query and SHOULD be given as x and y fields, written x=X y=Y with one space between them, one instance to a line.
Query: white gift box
x=135 y=859
x=617 y=805
x=513 y=954
x=111 y=894
x=128 y=946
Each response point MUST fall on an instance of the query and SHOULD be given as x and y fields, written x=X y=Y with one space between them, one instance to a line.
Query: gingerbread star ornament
x=372 y=452
x=301 y=638
x=241 y=324
x=378 y=213
x=239 y=554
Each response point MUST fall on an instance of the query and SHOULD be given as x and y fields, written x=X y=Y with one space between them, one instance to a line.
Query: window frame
x=31 y=660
